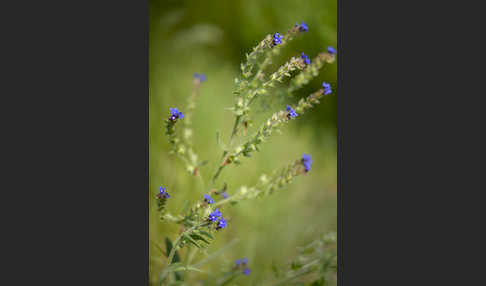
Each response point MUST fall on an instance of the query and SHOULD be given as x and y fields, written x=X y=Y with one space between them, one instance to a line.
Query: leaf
x=169 y=246
x=187 y=268
x=176 y=267
x=198 y=237
x=158 y=247
x=191 y=240
x=206 y=234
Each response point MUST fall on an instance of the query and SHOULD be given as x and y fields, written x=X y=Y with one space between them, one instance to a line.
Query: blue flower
x=291 y=112
x=303 y=27
x=331 y=50
x=225 y=195
x=208 y=199
x=175 y=114
x=305 y=58
x=277 y=39
x=307 y=161
x=221 y=223
x=244 y=260
x=215 y=215
x=200 y=76
x=163 y=193
x=327 y=88
x=246 y=271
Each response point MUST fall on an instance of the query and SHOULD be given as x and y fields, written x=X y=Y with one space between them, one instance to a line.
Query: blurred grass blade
x=217 y=253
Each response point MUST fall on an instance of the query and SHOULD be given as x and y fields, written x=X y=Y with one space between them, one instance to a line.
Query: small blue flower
x=246 y=271
x=237 y=262
x=215 y=215
x=303 y=27
x=221 y=223
x=208 y=199
x=163 y=193
x=277 y=39
x=331 y=50
x=307 y=161
x=291 y=112
x=225 y=195
x=175 y=114
x=327 y=88
x=244 y=260
x=200 y=76
x=305 y=58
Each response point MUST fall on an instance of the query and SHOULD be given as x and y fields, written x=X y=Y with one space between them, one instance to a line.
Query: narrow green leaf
x=206 y=234
x=191 y=240
x=198 y=237
x=187 y=268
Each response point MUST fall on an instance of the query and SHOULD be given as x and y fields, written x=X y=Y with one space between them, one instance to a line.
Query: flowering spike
x=310 y=72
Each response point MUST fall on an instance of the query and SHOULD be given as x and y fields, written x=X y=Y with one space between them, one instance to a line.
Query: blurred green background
x=212 y=37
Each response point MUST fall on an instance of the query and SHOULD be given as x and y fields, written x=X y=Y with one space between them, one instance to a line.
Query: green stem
x=176 y=244
x=222 y=165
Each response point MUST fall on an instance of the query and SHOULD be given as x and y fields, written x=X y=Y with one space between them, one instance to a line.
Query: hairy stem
x=222 y=165
x=176 y=244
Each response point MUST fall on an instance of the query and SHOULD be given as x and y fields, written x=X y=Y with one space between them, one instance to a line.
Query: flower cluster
x=327 y=88
x=331 y=50
x=208 y=199
x=162 y=193
x=215 y=215
x=175 y=114
x=199 y=76
x=307 y=161
x=305 y=58
x=291 y=112
x=303 y=27
x=221 y=223
x=242 y=264
x=162 y=197
x=277 y=39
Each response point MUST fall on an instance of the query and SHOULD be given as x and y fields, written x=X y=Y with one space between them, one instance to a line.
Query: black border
x=339 y=147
